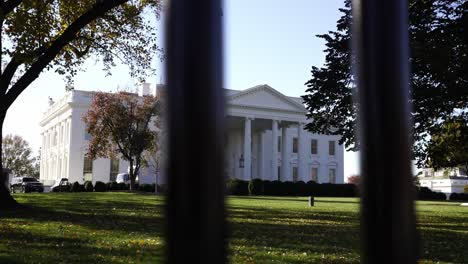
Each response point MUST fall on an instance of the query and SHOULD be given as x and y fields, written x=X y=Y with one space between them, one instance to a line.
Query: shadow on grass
x=82 y=228
x=98 y=214
x=308 y=235
x=298 y=199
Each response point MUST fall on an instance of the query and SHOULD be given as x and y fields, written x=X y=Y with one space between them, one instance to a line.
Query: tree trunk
x=132 y=177
x=6 y=200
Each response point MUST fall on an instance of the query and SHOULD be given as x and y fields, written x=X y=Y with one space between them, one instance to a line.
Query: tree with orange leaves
x=122 y=124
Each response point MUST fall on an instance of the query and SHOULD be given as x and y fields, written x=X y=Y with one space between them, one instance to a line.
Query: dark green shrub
x=425 y=193
x=146 y=188
x=88 y=186
x=122 y=186
x=267 y=186
x=237 y=187
x=161 y=188
x=112 y=186
x=287 y=188
x=100 y=187
x=300 y=188
x=75 y=187
x=459 y=196
x=274 y=188
x=255 y=187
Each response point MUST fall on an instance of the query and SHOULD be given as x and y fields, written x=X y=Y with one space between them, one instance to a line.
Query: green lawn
x=128 y=228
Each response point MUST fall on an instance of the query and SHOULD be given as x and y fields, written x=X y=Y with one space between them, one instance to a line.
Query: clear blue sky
x=266 y=41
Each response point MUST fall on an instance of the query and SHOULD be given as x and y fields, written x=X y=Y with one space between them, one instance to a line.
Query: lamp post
x=241 y=161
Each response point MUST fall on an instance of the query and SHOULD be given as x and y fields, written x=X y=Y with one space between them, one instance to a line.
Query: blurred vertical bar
x=195 y=201
x=388 y=218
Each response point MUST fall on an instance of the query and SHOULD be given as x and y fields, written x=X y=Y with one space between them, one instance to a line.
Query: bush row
x=459 y=196
x=311 y=188
x=104 y=187
x=424 y=193
x=300 y=188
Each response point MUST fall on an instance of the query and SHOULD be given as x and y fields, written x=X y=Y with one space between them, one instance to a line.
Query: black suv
x=25 y=185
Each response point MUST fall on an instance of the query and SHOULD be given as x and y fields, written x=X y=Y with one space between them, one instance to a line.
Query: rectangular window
x=114 y=169
x=332 y=175
x=279 y=144
x=313 y=147
x=295 y=142
x=314 y=174
x=88 y=169
x=295 y=174
x=331 y=148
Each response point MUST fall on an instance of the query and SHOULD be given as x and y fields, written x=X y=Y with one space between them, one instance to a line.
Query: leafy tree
x=60 y=35
x=438 y=33
x=120 y=123
x=449 y=146
x=154 y=158
x=17 y=155
x=354 y=179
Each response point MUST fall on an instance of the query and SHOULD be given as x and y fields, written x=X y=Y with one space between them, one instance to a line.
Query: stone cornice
x=54 y=114
x=265 y=87
x=265 y=108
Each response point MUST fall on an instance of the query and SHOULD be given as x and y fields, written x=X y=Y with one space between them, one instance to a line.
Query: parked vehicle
x=63 y=186
x=25 y=185
x=125 y=178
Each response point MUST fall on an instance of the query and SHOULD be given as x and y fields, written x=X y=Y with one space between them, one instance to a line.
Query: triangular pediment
x=263 y=96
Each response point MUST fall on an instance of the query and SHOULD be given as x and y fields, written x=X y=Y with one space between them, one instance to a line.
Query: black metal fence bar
x=381 y=42
x=195 y=201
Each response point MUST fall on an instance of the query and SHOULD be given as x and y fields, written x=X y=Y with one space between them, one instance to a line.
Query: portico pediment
x=263 y=96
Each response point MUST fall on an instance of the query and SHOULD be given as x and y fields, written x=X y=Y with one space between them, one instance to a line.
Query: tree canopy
x=61 y=35
x=448 y=147
x=438 y=33
x=17 y=156
x=120 y=124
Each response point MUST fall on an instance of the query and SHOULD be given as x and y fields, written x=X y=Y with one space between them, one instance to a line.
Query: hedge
x=88 y=186
x=100 y=187
x=237 y=187
x=424 y=193
x=459 y=196
x=288 y=188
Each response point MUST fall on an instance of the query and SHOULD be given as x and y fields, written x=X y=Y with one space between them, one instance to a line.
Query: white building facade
x=265 y=139
x=65 y=141
x=449 y=180
x=265 y=130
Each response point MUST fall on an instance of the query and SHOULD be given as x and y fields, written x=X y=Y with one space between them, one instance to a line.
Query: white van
x=124 y=177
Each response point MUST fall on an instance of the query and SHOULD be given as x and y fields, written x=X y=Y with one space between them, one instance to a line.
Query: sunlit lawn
x=128 y=228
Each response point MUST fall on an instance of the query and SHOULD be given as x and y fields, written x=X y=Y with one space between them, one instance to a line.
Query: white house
x=265 y=139
x=266 y=131
x=448 y=180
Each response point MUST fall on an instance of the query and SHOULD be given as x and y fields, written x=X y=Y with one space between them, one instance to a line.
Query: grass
x=128 y=228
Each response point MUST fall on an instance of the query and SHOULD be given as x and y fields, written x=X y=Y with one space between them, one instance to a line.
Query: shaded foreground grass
x=128 y=228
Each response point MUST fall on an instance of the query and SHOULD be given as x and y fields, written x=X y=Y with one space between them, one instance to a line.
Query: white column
x=301 y=155
x=260 y=156
x=284 y=155
x=247 y=148
x=274 y=155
